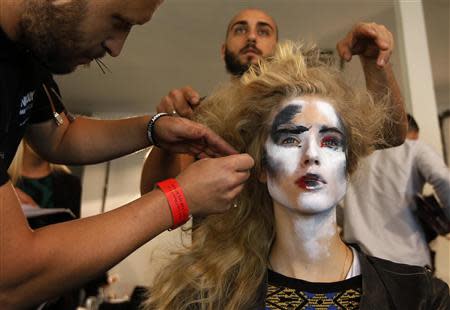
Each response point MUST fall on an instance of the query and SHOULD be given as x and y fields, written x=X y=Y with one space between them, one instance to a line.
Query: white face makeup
x=305 y=156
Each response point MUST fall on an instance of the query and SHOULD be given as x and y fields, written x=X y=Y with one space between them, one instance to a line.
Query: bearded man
x=39 y=38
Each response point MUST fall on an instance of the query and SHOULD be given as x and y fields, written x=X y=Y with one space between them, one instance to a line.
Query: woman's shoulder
x=409 y=286
x=398 y=268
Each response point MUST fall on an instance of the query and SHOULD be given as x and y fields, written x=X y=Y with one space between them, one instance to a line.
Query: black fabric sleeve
x=440 y=295
x=42 y=109
x=4 y=177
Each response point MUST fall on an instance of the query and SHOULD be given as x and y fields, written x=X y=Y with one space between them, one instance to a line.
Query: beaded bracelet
x=151 y=127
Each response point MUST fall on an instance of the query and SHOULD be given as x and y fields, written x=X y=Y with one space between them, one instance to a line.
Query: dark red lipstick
x=311 y=182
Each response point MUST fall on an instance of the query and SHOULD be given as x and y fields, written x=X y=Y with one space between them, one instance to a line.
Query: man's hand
x=181 y=101
x=211 y=185
x=180 y=135
x=369 y=40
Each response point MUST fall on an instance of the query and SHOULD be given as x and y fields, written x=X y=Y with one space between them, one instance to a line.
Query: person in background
x=279 y=248
x=378 y=211
x=42 y=184
x=252 y=35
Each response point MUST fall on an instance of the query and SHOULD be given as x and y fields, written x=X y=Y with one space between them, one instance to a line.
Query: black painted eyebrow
x=291 y=129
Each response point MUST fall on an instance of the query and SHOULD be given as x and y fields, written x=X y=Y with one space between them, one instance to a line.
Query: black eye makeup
x=332 y=142
x=290 y=141
x=288 y=135
x=332 y=137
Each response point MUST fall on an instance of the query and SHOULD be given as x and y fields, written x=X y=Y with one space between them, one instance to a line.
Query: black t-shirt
x=289 y=293
x=22 y=98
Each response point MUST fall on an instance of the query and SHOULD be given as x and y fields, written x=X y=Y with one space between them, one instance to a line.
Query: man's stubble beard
x=233 y=65
x=53 y=33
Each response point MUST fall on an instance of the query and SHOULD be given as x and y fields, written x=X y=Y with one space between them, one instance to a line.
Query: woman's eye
x=331 y=142
x=290 y=141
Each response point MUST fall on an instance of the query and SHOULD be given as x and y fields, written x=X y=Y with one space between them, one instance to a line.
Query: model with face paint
x=280 y=248
x=39 y=38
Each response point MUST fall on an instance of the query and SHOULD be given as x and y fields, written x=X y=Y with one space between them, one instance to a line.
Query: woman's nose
x=311 y=153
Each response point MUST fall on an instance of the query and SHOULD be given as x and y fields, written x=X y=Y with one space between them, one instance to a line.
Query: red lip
x=310 y=181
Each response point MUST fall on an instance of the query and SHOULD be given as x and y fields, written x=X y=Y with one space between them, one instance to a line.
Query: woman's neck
x=308 y=246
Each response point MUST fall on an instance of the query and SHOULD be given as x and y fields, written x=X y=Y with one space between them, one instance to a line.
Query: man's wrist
x=151 y=128
x=176 y=200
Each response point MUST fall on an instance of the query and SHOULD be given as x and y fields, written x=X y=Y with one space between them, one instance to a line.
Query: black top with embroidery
x=289 y=293
x=22 y=98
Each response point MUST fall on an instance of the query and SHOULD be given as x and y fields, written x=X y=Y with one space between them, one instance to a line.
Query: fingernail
x=381 y=62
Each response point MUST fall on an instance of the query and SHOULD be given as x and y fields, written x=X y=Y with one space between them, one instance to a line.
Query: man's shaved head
x=242 y=15
x=251 y=34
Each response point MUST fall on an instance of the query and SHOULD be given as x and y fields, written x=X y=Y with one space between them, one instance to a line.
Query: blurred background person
x=379 y=207
x=42 y=184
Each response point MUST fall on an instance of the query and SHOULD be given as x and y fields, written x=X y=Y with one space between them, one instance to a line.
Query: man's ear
x=222 y=51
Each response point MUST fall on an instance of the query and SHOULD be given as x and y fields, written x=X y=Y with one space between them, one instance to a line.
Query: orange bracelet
x=177 y=201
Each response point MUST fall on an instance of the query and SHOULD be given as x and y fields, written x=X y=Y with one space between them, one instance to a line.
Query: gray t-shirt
x=379 y=204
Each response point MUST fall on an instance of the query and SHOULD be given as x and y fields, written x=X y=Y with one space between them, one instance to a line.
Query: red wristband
x=177 y=201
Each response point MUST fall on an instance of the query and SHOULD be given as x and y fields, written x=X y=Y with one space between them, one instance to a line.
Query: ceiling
x=181 y=46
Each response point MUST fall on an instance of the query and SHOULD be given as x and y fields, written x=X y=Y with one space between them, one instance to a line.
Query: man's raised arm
x=374 y=44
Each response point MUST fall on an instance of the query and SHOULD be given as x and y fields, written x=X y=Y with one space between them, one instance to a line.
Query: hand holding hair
x=211 y=185
x=180 y=135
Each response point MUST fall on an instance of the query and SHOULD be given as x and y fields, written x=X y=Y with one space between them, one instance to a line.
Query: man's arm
x=374 y=44
x=87 y=141
x=161 y=164
x=37 y=265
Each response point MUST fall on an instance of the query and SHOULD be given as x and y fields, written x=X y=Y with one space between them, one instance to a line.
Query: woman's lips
x=311 y=182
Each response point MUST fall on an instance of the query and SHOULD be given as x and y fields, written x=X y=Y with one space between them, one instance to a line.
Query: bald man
x=253 y=34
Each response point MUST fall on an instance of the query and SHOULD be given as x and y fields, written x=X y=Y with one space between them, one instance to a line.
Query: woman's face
x=306 y=156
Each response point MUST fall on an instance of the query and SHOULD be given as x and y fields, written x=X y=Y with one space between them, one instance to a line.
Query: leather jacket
x=389 y=285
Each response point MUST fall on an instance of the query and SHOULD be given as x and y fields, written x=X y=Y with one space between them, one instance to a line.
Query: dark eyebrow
x=324 y=129
x=286 y=128
x=264 y=24
x=245 y=23
x=239 y=22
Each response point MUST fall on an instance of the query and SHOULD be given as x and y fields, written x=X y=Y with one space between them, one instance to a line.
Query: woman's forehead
x=307 y=110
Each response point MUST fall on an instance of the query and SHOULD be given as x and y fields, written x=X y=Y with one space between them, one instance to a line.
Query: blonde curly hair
x=227 y=260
